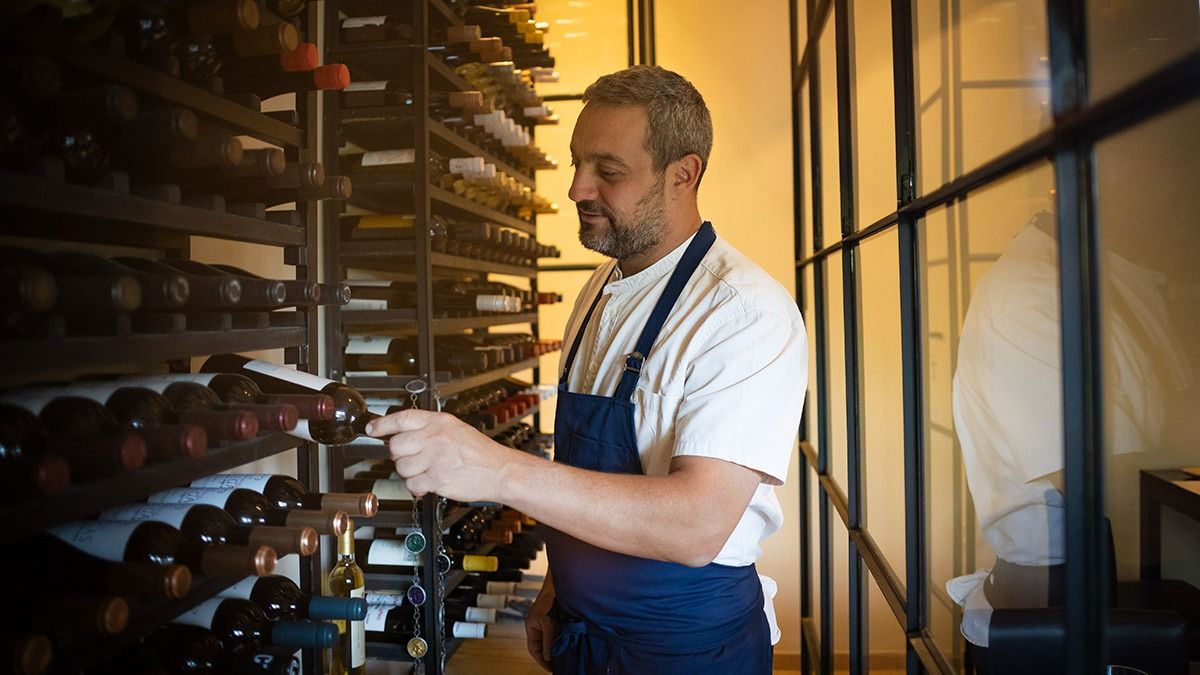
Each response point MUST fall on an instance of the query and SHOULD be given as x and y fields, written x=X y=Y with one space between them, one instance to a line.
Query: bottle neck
x=346 y=544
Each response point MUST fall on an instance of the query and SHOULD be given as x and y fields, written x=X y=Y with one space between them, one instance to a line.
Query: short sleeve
x=745 y=392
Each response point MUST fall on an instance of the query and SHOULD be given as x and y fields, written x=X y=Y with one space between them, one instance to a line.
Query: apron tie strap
x=570 y=634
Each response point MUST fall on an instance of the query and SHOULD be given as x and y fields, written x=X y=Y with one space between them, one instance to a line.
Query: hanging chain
x=415 y=542
x=443 y=570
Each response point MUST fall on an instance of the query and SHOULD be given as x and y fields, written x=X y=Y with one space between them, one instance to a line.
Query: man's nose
x=582 y=186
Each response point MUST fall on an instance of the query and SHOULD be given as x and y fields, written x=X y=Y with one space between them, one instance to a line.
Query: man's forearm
x=684 y=517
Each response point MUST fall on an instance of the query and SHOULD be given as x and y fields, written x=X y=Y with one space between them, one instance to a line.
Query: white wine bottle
x=346 y=580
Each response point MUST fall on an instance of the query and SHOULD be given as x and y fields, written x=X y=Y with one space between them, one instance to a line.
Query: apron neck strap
x=695 y=252
x=587 y=318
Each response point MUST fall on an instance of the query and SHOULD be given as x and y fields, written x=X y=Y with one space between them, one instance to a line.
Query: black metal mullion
x=912 y=359
x=851 y=343
x=827 y=591
x=1079 y=267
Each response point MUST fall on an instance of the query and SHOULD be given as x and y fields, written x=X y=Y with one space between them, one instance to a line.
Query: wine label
x=296 y=377
x=376 y=620
x=213 y=496
x=389 y=157
x=494 y=303
x=490 y=601
x=388 y=599
x=364 y=532
x=373 y=222
x=105 y=540
x=201 y=615
x=241 y=589
x=480 y=615
x=537 y=111
x=364 y=304
x=463 y=165
x=358 y=634
x=501 y=588
x=160 y=382
x=395 y=489
x=378 y=409
x=250 y=481
x=464 y=629
x=360 y=21
x=368 y=344
x=301 y=431
x=391 y=552
x=368 y=85
x=171 y=514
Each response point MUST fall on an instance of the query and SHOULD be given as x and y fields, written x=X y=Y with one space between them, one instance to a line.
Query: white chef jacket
x=725 y=379
x=1007 y=398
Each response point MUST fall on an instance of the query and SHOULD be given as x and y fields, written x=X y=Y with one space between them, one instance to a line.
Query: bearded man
x=678 y=405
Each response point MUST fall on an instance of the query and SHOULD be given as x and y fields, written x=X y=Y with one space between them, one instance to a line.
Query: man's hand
x=540 y=629
x=437 y=452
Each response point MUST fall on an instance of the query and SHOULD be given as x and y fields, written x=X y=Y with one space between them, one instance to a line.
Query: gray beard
x=621 y=240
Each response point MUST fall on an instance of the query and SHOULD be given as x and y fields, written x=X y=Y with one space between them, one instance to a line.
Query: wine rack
x=41 y=209
x=415 y=193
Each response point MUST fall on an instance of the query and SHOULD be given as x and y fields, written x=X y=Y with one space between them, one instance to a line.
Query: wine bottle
x=264 y=661
x=208 y=525
x=294 y=176
x=193 y=396
x=350 y=409
x=78 y=292
x=66 y=617
x=395 y=624
x=280 y=598
x=304 y=58
x=256 y=293
x=391 y=556
x=254 y=163
x=162 y=544
x=207 y=292
x=105 y=105
x=346 y=580
x=76 y=571
x=241 y=626
x=334 y=187
x=374 y=29
x=81 y=431
x=371 y=93
x=287 y=493
x=286 y=8
x=272 y=39
x=171 y=432
x=171 y=648
x=163 y=292
x=234 y=389
x=390 y=491
x=250 y=508
x=329 y=77
x=26 y=286
x=26 y=653
x=27 y=467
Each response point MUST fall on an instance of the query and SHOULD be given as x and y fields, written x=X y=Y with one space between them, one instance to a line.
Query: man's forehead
x=608 y=132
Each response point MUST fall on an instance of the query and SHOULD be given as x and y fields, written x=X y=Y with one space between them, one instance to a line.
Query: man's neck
x=672 y=238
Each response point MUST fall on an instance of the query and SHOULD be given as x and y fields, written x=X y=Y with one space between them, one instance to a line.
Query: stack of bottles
x=455 y=355
x=478 y=240
x=451 y=297
x=236 y=48
x=69 y=293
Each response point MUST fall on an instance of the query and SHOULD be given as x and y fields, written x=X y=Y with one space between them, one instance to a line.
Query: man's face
x=616 y=191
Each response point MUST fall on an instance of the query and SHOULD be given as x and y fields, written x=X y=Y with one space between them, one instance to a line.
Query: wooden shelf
x=24 y=35
x=94 y=211
x=381 y=384
x=404 y=322
x=23 y=358
x=89 y=498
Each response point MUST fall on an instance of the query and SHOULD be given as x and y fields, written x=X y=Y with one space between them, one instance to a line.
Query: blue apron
x=624 y=615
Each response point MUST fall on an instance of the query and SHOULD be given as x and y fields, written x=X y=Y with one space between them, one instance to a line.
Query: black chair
x=1030 y=641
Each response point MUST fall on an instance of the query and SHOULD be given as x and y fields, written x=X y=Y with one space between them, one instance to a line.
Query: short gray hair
x=679 y=121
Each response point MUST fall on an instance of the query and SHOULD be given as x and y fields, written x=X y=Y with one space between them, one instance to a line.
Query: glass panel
x=835 y=374
x=993 y=402
x=841 y=591
x=882 y=395
x=586 y=39
x=1147 y=211
x=806 y=177
x=885 y=635
x=1132 y=40
x=982 y=83
x=831 y=223
x=874 y=111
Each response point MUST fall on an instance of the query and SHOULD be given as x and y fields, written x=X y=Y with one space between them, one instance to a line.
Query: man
x=678 y=406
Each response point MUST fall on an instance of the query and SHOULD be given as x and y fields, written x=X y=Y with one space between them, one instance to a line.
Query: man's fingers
x=405 y=420
x=405 y=444
x=413 y=465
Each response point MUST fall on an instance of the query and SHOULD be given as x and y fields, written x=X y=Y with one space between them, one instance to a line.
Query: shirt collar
x=662 y=267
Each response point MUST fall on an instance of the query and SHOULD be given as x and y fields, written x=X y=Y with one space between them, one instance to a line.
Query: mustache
x=593 y=206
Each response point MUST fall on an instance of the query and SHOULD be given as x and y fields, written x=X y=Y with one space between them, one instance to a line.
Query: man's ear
x=685 y=172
